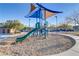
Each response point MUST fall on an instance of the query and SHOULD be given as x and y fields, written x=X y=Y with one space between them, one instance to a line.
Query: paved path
x=3 y=37
x=74 y=51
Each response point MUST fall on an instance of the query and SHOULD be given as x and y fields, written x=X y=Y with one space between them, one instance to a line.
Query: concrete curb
x=74 y=51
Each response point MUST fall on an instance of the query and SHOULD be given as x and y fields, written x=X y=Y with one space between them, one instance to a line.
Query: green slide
x=26 y=36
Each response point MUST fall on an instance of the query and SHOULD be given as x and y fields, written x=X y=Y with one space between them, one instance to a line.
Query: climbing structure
x=40 y=13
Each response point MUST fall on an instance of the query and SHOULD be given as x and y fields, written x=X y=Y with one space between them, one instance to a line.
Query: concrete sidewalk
x=74 y=51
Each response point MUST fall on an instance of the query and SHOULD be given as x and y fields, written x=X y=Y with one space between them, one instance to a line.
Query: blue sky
x=11 y=11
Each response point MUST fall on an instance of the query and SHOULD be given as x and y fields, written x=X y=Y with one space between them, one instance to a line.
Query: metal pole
x=75 y=25
x=45 y=24
x=56 y=22
x=29 y=22
x=75 y=22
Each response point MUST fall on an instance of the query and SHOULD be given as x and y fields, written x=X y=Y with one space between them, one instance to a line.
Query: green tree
x=51 y=27
x=65 y=26
x=15 y=24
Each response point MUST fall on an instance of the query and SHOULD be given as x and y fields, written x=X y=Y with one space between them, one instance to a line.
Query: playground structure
x=40 y=13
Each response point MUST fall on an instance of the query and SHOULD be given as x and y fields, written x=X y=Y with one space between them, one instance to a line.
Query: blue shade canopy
x=36 y=13
x=47 y=9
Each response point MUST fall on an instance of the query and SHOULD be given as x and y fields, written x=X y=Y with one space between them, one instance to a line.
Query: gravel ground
x=54 y=44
